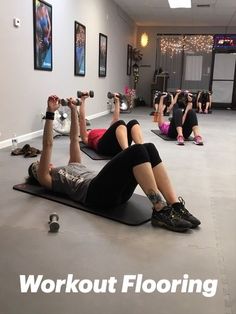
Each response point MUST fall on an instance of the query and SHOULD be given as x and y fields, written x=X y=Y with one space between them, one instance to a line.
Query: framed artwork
x=129 y=59
x=102 y=67
x=42 y=18
x=80 y=49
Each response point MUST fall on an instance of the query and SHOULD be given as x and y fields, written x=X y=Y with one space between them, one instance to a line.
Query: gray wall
x=147 y=65
x=24 y=91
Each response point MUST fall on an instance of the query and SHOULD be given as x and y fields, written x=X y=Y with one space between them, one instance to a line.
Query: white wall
x=24 y=91
x=149 y=52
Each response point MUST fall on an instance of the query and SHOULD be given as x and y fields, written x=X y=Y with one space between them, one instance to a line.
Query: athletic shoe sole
x=198 y=144
x=172 y=228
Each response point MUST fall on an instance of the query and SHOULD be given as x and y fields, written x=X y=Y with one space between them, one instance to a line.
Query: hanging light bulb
x=144 y=39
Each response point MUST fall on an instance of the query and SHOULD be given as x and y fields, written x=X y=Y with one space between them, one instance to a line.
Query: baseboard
x=30 y=136
x=21 y=138
x=97 y=115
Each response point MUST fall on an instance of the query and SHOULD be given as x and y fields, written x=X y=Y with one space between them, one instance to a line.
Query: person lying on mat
x=114 y=139
x=183 y=122
x=114 y=184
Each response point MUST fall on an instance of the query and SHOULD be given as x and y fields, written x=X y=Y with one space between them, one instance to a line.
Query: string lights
x=198 y=43
x=173 y=45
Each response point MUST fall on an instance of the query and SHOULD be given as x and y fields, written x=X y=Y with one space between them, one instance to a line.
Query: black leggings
x=176 y=121
x=108 y=144
x=116 y=183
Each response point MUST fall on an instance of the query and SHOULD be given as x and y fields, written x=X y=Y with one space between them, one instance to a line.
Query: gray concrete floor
x=91 y=247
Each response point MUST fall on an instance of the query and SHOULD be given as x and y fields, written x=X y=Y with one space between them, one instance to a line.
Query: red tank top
x=94 y=137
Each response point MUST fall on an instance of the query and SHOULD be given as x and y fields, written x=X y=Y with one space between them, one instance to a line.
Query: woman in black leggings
x=119 y=136
x=116 y=182
x=114 y=139
x=204 y=101
x=186 y=120
x=183 y=122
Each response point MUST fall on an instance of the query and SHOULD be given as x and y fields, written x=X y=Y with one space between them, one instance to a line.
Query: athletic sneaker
x=183 y=213
x=198 y=140
x=169 y=219
x=180 y=140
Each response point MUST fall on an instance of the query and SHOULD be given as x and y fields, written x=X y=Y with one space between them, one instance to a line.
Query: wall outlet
x=16 y=22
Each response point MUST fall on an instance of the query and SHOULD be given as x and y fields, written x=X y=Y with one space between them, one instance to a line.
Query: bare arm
x=176 y=97
x=44 y=176
x=82 y=121
x=198 y=96
x=116 y=113
x=161 y=107
x=75 y=155
x=188 y=107
x=172 y=103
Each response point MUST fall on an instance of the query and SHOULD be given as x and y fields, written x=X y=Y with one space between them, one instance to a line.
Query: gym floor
x=89 y=246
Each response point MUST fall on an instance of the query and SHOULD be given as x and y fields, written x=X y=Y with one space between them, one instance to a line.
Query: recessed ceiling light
x=174 y=4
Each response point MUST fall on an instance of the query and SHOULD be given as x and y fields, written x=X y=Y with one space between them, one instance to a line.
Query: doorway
x=223 y=79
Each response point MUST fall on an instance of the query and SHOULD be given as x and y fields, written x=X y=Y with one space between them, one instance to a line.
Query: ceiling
x=158 y=13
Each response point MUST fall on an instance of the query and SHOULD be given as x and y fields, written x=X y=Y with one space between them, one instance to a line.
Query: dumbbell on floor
x=65 y=102
x=53 y=222
x=81 y=94
x=112 y=95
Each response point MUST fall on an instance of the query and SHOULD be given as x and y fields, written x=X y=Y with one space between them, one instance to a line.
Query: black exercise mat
x=135 y=212
x=92 y=153
x=167 y=138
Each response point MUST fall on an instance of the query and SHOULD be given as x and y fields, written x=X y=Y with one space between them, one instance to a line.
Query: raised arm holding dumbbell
x=114 y=139
x=117 y=100
x=42 y=169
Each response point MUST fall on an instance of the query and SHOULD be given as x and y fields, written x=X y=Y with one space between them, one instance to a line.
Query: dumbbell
x=53 y=222
x=65 y=102
x=81 y=94
x=112 y=95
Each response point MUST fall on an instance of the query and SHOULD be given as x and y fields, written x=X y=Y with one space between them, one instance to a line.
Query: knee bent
x=118 y=123
x=137 y=154
x=131 y=123
x=153 y=154
x=141 y=153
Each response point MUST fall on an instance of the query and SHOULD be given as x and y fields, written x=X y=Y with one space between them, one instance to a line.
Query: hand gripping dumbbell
x=65 y=102
x=81 y=94
x=53 y=222
x=112 y=95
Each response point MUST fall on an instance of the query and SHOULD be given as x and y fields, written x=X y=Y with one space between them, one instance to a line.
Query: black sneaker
x=184 y=213
x=168 y=218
